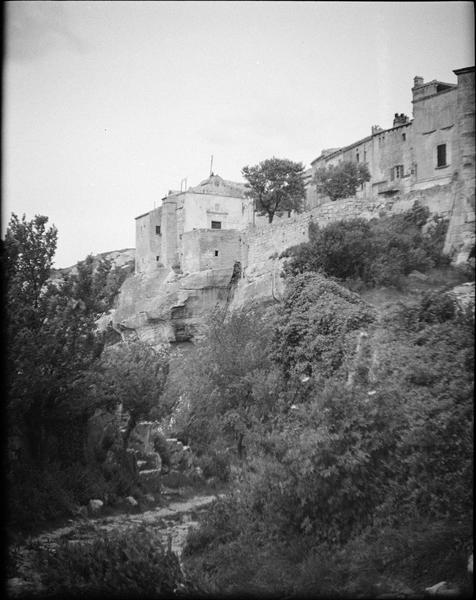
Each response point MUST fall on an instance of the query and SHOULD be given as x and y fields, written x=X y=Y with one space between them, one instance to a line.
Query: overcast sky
x=108 y=105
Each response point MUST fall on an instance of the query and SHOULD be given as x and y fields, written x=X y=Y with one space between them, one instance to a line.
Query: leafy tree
x=275 y=185
x=29 y=250
x=341 y=180
x=227 y=381
x=132 y=374
x=51 y=338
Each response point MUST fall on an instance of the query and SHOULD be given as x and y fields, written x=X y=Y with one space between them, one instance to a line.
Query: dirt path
x=173 y=522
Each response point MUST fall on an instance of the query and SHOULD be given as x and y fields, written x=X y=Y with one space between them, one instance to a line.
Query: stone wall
x=210 y=249
x=260 y=243
x=148 y=241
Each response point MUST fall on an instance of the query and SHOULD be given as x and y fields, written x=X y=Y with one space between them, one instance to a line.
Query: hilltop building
x=195 y=229
x=430 y=157
x=414 y=154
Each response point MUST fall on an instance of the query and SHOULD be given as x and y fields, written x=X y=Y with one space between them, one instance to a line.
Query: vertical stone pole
x=461 y=236
x=169 y=232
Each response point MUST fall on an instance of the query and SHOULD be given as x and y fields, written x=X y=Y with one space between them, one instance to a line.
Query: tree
x=275 y=184
x=342 y=180
x=134 y=375
x=29 y=251
x=51 y=338
x=226 y=380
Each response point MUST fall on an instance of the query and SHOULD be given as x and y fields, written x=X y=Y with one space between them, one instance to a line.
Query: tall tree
x=50 y=333
x=275 y=184
x=29 y=250
x=342 y=180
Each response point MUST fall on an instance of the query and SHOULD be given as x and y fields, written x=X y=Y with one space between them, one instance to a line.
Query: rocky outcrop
x=167 y=307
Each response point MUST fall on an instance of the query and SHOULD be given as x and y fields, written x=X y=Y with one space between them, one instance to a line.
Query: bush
x=128 y=563
x=377 y=252
x=317 y=325
x=215 y=463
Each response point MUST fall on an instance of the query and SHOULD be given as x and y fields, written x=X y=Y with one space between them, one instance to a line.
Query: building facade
x=194 y=228
x=201 y=228
x=414 y=153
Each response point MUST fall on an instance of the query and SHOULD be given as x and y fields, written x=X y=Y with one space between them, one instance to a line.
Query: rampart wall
x=264 y=241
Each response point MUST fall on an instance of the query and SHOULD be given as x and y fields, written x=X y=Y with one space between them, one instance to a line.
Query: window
x=404 y=136
x=157 y=229
x=358 y=157
x=157 y=258
x=441 y=155
x=216 y=252
x=216 y=224
x=397 y=172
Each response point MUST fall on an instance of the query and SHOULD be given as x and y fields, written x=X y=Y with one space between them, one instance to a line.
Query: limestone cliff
x=165 y=307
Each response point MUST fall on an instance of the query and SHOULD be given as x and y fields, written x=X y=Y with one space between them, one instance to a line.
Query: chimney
x=400 y=119
x=417 y=81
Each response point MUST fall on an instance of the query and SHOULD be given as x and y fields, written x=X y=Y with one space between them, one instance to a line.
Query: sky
x=109 y=105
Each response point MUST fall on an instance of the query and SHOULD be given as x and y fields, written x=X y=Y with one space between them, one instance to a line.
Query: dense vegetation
x=358 y=480
x=59 y=372
x=357 y=471
x=380 y=252
x=343 y=429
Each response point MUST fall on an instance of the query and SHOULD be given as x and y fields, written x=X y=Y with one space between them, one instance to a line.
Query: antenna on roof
x=211 y=165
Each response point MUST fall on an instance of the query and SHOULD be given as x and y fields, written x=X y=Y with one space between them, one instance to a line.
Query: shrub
x=217 y=526
x=128 y=563
x=215 y=463
x=316 y=327
x=377 y=252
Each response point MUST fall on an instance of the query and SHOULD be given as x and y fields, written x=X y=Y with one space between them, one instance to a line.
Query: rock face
x=166 y=307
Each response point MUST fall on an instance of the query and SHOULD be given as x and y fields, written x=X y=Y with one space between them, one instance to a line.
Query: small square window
x=441 y=155
x=216 y=252
x=216 y=224
x=157 y=229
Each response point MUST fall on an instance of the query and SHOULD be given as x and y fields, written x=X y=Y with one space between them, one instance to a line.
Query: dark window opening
x=397 y=172
x=441 y=155
x=404 y=136
x=216 y=252
x=157 y=258
x=216 y=224
x=358 y=157
x=157 y=229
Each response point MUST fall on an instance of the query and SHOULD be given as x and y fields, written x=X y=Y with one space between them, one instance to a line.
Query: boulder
x=95 y=506
x=131 y=501
x=418 y=276
x=442 y=589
